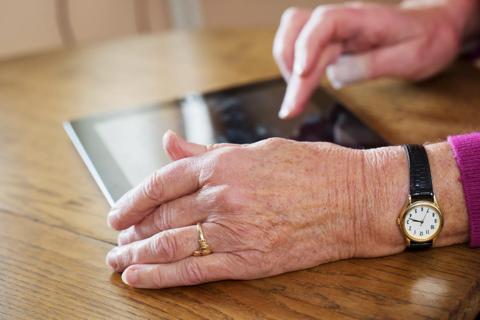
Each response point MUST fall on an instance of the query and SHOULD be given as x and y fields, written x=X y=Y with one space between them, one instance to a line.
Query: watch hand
x=424 y=217
x=414 y=220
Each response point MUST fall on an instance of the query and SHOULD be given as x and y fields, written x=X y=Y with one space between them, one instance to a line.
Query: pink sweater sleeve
x=466 y=149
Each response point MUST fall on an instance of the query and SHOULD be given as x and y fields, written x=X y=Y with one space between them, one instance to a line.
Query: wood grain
x=48 y=272
x=445 y=105
x=53 y=235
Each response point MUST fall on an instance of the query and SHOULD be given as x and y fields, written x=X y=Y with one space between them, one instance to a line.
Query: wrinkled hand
x=364 y=41
x=266 y=208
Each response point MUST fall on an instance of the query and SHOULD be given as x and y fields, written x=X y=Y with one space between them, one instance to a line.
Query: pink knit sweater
x=466 y=149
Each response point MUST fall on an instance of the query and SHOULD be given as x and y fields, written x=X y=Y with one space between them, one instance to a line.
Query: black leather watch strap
x=419 y=245
x=420 y=183
x=420 y=177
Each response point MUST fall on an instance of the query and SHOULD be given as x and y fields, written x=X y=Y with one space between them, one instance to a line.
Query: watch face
x=422 y=221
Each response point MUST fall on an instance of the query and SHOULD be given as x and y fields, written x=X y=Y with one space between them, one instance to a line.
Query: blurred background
x=29 y=26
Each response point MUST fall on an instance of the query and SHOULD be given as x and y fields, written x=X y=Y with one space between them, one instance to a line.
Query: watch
x=421 y=219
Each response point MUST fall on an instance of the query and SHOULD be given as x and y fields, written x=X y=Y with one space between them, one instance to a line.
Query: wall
x=28 y=26
x=35 y=25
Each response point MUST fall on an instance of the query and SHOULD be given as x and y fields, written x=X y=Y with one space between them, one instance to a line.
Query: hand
x=423 y=219
x=266 y=208
x=365 y=41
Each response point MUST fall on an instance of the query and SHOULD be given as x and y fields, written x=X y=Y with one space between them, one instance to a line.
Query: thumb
x=348 y=69
x=394 y=61
x=178 y=148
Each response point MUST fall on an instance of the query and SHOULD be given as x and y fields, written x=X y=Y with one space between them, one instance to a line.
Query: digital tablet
x=122 y=148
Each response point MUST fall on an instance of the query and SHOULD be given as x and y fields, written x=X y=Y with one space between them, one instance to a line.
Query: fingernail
x=130 y=276
x=346 y=70
x=288 y=102
x=283 y=113
x=286 y=108
x=331 y=76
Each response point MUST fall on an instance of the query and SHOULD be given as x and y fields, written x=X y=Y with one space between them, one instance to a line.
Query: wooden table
x=53 y=235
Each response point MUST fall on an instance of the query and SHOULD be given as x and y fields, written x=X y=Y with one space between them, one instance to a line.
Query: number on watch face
x=422 y=222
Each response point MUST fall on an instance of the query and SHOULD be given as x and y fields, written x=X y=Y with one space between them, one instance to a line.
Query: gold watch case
x=409 y=205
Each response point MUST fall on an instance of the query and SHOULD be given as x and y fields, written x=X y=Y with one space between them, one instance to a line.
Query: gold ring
x=203 y=247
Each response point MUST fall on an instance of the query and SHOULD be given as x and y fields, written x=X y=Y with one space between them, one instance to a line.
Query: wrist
x=387 y=190
x=449 y=193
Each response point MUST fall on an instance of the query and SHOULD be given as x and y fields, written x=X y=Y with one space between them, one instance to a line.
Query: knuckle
x=224 y=156
x=271 y=142
x=192 y=273
x=424 y=52
x=115 y=262
x=125 y=259
x=133 y=233
x=219 y=163
x=361 y=5
x=158 y=279
x=215 y=164
x=275 y=141
x=290 y=14
x=320 y=16
x=220 y=195
x=230 y=198
x=323 y=12
x=301 y=44
x=162 y=219
x=330 y=14
x=165 y=245
x=154 y=187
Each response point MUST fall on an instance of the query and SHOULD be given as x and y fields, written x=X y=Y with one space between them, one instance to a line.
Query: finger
x=189 y=271
x=181 y=212
x=300 y=88
x=356 y=25
x=177 y=148
x=317 y=34
x=292 y=22
x=404 y=60
x=173 y=181
x=374 y=64
x=166 y=246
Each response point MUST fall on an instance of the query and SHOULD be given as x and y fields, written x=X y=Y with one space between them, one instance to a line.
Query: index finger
x=292 y=22
x=173 y=181
x=323 y=28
